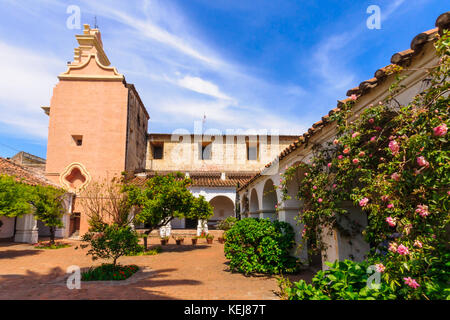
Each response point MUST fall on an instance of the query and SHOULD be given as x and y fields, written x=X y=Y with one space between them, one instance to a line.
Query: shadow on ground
x=36 y=286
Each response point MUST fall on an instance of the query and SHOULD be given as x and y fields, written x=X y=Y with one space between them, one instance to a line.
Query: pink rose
x=380 y=267
x=441 y=130
x=315 y=187
x=393 y=247
x=422 y=210
x=411 y=282
x=355 y=161
x=306 y=174
x=402 y=250
x=393 y=145
x=320 y=200
x=334 y=186
x=378 y=128
x=355 y=134
x=391 y=221
x=362 y=154
x=421 y=161
x=373 y=139
x=390 y=206
x=353 y=97
x=371 y=120
x=340 y=157
x=418 y=244
x=363 y=202
x=395 y=176
x=346 y=151
x=329 y=165
x=385 y=198
x=336 y=141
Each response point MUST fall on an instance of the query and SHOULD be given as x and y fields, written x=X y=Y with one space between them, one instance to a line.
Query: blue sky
x=247 y=64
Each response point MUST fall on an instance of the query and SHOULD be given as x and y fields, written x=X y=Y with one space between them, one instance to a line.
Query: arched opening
x=270 y=200
x=75 y=179
x=223 y=208
x=254 y=203
x=292 y=187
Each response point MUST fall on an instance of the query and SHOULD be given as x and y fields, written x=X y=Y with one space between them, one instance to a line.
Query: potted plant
x=209 y=238
x=194 y=240
x=221 y=239
x=164 y=240
x=179 y=240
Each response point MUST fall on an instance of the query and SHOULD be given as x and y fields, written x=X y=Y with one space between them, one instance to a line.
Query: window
x=78 y=140
x=158 y=150
x=252 y=151
x=205 y=151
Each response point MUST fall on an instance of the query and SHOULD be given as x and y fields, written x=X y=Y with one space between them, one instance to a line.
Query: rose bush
x=393 y=162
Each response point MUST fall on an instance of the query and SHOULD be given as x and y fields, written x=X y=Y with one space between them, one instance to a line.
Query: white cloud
x=26 y=85
x=202 y=86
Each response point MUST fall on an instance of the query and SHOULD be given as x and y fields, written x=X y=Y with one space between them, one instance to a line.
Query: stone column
x=202 y=226
x=64 y=231
x=26 y=229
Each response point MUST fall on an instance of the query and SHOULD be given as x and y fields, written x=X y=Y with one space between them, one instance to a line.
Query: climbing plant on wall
x=392 y=161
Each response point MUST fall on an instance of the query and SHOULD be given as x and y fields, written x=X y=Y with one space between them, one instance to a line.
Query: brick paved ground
x=179 y=272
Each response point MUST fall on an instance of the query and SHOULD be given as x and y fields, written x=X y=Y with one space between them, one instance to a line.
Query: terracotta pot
x=179 y=242
x=194 y=241
x=164 y=242
x=221 y=240
x=210 y=241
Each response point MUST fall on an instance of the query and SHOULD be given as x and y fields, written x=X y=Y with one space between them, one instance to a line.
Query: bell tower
x=98 y=123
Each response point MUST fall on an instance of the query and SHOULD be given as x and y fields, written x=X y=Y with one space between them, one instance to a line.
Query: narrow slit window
x=78 y=140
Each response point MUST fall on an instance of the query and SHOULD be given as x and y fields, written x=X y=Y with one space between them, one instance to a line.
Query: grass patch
x=142 y=252
x=48 y=246
x=108 y=272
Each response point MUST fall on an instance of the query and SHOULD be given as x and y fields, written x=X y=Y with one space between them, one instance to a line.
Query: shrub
x=227 y=224
x=141 y=251
x=51 y=246
x=345 y=280
x=112 y=243
x=107 y=272
x=260 y=246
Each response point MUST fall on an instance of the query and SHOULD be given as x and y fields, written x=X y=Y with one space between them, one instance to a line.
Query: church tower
x=98 y=123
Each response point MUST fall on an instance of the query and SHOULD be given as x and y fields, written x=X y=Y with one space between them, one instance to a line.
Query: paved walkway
x=179 y=272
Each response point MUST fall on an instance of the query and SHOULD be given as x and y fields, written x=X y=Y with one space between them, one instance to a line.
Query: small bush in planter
x=179 y=240
x=108 y=272
x=209 y=238
x=260 y=246
x=164 y=240
x=221 y=239
x=194 y=240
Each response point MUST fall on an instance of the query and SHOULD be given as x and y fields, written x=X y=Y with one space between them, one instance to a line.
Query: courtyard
x=178 y=272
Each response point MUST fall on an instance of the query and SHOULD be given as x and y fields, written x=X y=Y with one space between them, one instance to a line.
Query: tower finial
x=95 y=22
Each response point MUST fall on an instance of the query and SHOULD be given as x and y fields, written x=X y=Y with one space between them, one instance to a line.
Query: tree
x=106 y=202
x=48 y=204
x=164 y=198
x=14 y=197
x=112 y=243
